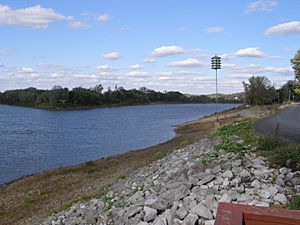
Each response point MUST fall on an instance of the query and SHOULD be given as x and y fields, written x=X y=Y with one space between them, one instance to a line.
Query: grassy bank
x=240 y=137
x=30 y=199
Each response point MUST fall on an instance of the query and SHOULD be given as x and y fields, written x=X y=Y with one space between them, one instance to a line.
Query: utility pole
x=216 y=65
x=289 y=95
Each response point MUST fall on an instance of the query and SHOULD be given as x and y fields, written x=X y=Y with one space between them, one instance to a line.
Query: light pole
x=216 y=65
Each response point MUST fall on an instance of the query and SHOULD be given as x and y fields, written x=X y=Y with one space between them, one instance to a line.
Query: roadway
x=289 y=124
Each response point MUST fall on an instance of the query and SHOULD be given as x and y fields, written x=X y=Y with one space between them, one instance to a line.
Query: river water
x=33 y=140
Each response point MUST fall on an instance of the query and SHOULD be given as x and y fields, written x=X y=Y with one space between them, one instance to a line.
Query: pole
x=217 y=94
x=289 y=95
x=278 y=98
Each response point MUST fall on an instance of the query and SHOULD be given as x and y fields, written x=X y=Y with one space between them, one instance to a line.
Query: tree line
x=59 y=97
x=260 y=91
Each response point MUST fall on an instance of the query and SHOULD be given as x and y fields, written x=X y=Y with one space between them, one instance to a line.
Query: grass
x=279 y=152
x=294 y=203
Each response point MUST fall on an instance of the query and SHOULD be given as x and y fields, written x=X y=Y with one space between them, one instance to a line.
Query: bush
x=279 y=152
x=227 y=132
x=294 y=203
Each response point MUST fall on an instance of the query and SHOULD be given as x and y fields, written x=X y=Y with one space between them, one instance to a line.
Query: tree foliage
x=296 y=66
x=79 y=96
x=259 y=91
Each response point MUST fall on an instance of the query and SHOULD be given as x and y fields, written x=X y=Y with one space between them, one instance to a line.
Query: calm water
x=33 y=140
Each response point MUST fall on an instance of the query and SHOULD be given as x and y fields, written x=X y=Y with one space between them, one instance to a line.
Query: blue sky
x=160 y=44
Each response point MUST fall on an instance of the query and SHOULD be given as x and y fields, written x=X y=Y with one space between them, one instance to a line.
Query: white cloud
x=51 y=66
x=136 y=66
x=24 y=70
x=78 y=25
x=6 y=51
x=289 y=28
x=35 y=16
x=249 y=52
x=229 y=65
x=190 y=62
x=138 y=74
x=104 y=17
x=261 y=5
x=149 y=60
x=107 y=68
x=257 y=69
x=111 y=55
x=166 y=51
x=215 y=29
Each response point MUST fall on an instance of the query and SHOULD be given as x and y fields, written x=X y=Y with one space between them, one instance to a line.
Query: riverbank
x=34 y=197
x=186 y=186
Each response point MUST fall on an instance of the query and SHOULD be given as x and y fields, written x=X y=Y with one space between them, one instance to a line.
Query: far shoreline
x=90 y=107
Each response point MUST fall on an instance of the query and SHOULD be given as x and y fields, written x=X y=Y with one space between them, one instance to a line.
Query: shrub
x=294 y=203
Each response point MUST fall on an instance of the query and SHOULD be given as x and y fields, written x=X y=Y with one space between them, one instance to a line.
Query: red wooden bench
x=237 y=214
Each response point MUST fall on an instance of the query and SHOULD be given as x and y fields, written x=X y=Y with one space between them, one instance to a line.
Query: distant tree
x=259 y=91
x=296 y=66
x=98 y=88
x=57 y=87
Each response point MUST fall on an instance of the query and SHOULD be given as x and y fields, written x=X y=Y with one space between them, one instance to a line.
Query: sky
x=158 y=44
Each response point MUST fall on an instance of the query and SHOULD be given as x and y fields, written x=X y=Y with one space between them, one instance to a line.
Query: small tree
x=259 y=91
x=296 y=64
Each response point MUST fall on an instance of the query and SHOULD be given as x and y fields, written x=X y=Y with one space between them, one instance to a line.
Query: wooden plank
x=233 y=214
x=252 y=218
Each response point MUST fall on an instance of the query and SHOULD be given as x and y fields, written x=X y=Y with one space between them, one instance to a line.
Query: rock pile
x=182 y=189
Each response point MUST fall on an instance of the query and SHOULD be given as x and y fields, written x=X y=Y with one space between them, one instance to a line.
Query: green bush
x=227 y=131
x=294 y=203
x=234 y=128
x=266 y=143
x=279 y=152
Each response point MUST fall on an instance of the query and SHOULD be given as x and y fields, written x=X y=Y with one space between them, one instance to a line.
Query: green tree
x=259 y=91
x=296 y=66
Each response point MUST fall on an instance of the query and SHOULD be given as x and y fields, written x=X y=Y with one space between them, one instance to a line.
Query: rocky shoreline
x=185 y=188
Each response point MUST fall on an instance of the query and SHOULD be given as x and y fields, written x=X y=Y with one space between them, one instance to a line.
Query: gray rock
x=202 y=211
x=245 y=198
x=206 y=180
x=280 y=198
x=228 y=174
x=158 y=203
x=132 y=210
x=217 y=169
x=181 y=212
x=160 y=221
x=150 y=214
x=264 y=194
x=245 y=176
x=137 y=195
x=191 y=219
x=237 y=163
x=143 y=223
x=209 y=222
x=256 y=184
x=177 y=222
x=225 y=198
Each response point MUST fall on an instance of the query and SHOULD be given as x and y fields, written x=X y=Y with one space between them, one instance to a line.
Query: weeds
x=294 y=203
x=280 y=153
x=228 y=134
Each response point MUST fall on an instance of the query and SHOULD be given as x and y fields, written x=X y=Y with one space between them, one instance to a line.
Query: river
x=34 y=140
